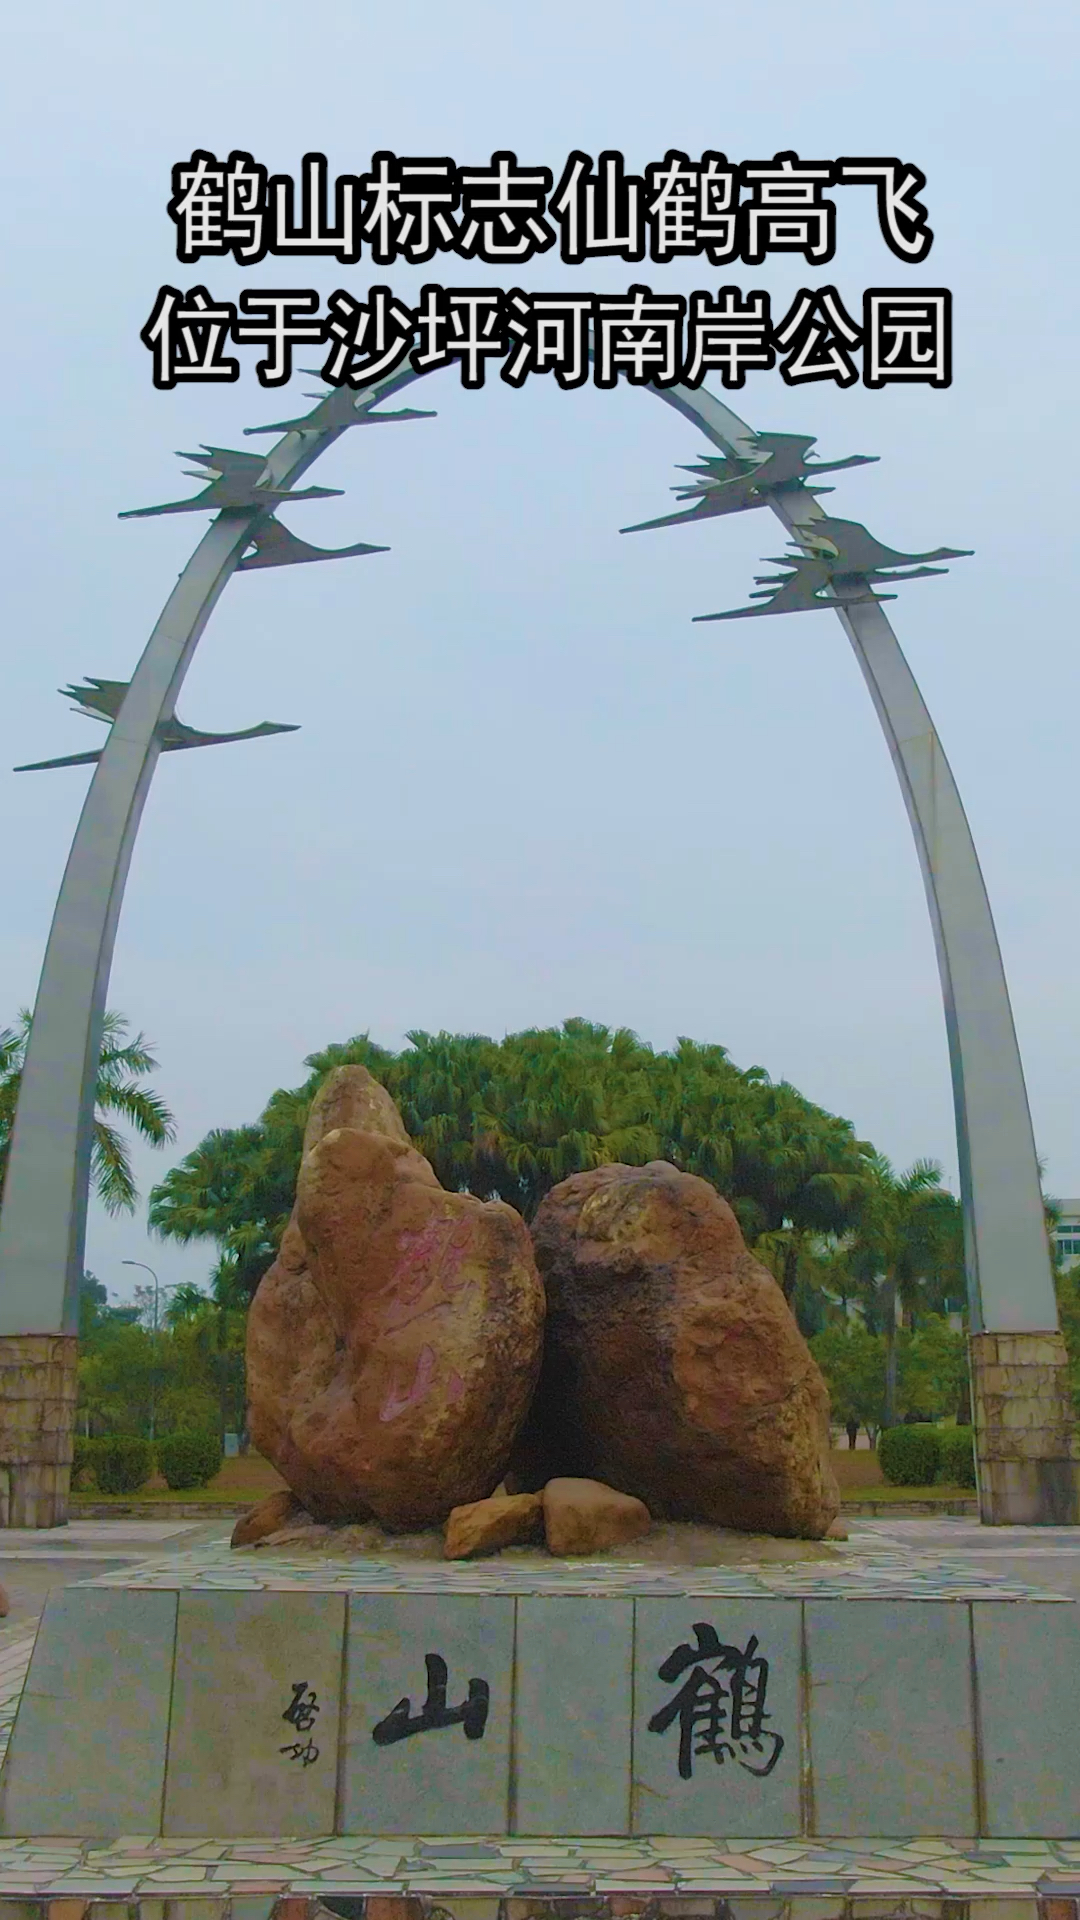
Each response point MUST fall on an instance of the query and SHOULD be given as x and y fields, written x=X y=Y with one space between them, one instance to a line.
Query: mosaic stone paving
x=14 y=1661
x=472 y=1865
x=861 y=1569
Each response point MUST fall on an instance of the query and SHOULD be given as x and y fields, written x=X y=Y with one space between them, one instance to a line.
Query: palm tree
x=794 y=1174
x=558 y=1102
x=907 y=1231
x=510 y=1118
x=209 y=1330
x=121 y=1066
x=187 y=1303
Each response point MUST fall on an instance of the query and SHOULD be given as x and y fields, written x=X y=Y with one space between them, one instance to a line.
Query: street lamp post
x=158 y=1291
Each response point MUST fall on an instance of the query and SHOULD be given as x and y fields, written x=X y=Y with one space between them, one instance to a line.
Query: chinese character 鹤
x=694 y=207
x=217 y=208
x=720 y=1706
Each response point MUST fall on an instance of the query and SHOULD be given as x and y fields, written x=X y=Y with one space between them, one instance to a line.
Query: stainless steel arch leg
x=1027 y=1443
x=43 y=1219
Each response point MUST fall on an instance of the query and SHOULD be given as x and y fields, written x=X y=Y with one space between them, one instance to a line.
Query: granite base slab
x=792 y=1701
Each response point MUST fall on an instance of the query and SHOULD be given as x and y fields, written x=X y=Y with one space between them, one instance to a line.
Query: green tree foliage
x=118 y=1376
x=510 y=1119
x=187 y=1378
x=853 y=1362
x=907 y=1234
x=934 y=1381
x=1067 y=1288
x=122 y=1067
x=1067 y=1285
x=932 y=1371
x=96 y=1317
x=207 y=1336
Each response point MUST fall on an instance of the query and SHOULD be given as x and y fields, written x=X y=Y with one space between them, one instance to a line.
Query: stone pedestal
x=1026 y=1437
x=38 y=1389
x=233 y=1698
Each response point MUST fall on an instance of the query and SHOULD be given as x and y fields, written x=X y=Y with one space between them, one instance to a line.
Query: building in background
x=1067 y=1233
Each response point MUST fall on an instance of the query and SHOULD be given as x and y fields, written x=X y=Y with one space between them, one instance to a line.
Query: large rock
x=506 y=1520
x=394 y=1344
x=269 y=1515
x=673 y=1368
x=581 y=1516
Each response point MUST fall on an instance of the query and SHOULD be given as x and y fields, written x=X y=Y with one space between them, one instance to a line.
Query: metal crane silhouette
x=102 y=700
x=844 y=563
x=731 y=484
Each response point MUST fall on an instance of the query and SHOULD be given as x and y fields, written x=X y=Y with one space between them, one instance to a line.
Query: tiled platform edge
x=784 y=1900
x=233 y=1713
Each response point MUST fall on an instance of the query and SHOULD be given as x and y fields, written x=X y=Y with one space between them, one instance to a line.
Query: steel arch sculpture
x=42 y=1223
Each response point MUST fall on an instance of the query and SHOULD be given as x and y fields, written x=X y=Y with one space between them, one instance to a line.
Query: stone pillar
x=1026 y=1438
x=38 y=1390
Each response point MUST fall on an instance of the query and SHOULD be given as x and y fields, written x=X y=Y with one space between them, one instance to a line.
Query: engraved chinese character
x=720 y=1707
x=472 y=1714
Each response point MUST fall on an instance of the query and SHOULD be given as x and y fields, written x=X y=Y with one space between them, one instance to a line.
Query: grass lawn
x=887 y=1495
x=246 y=1478
x=856 y=1467
x=249 y=1477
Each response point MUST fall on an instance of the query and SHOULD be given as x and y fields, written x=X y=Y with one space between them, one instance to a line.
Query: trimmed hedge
x=189 y=1459
x=957 y=1468
x=910 y=1456
x=122 y=1462
x=82 y=1463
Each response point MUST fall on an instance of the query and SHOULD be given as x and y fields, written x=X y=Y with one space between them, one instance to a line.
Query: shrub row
x=919 y=1456
x=124 y=1462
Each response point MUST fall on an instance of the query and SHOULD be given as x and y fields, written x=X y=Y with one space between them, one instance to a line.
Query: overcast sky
x=526 y=787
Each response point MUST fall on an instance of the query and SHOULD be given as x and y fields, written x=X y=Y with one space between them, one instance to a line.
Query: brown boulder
x=506 y=1520
x=311 y=1535
x=277 y=1510
x=5 y=1604
x=673 y=1367
x=351 y=1097
x=584 y=1516
x=393 y=1346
